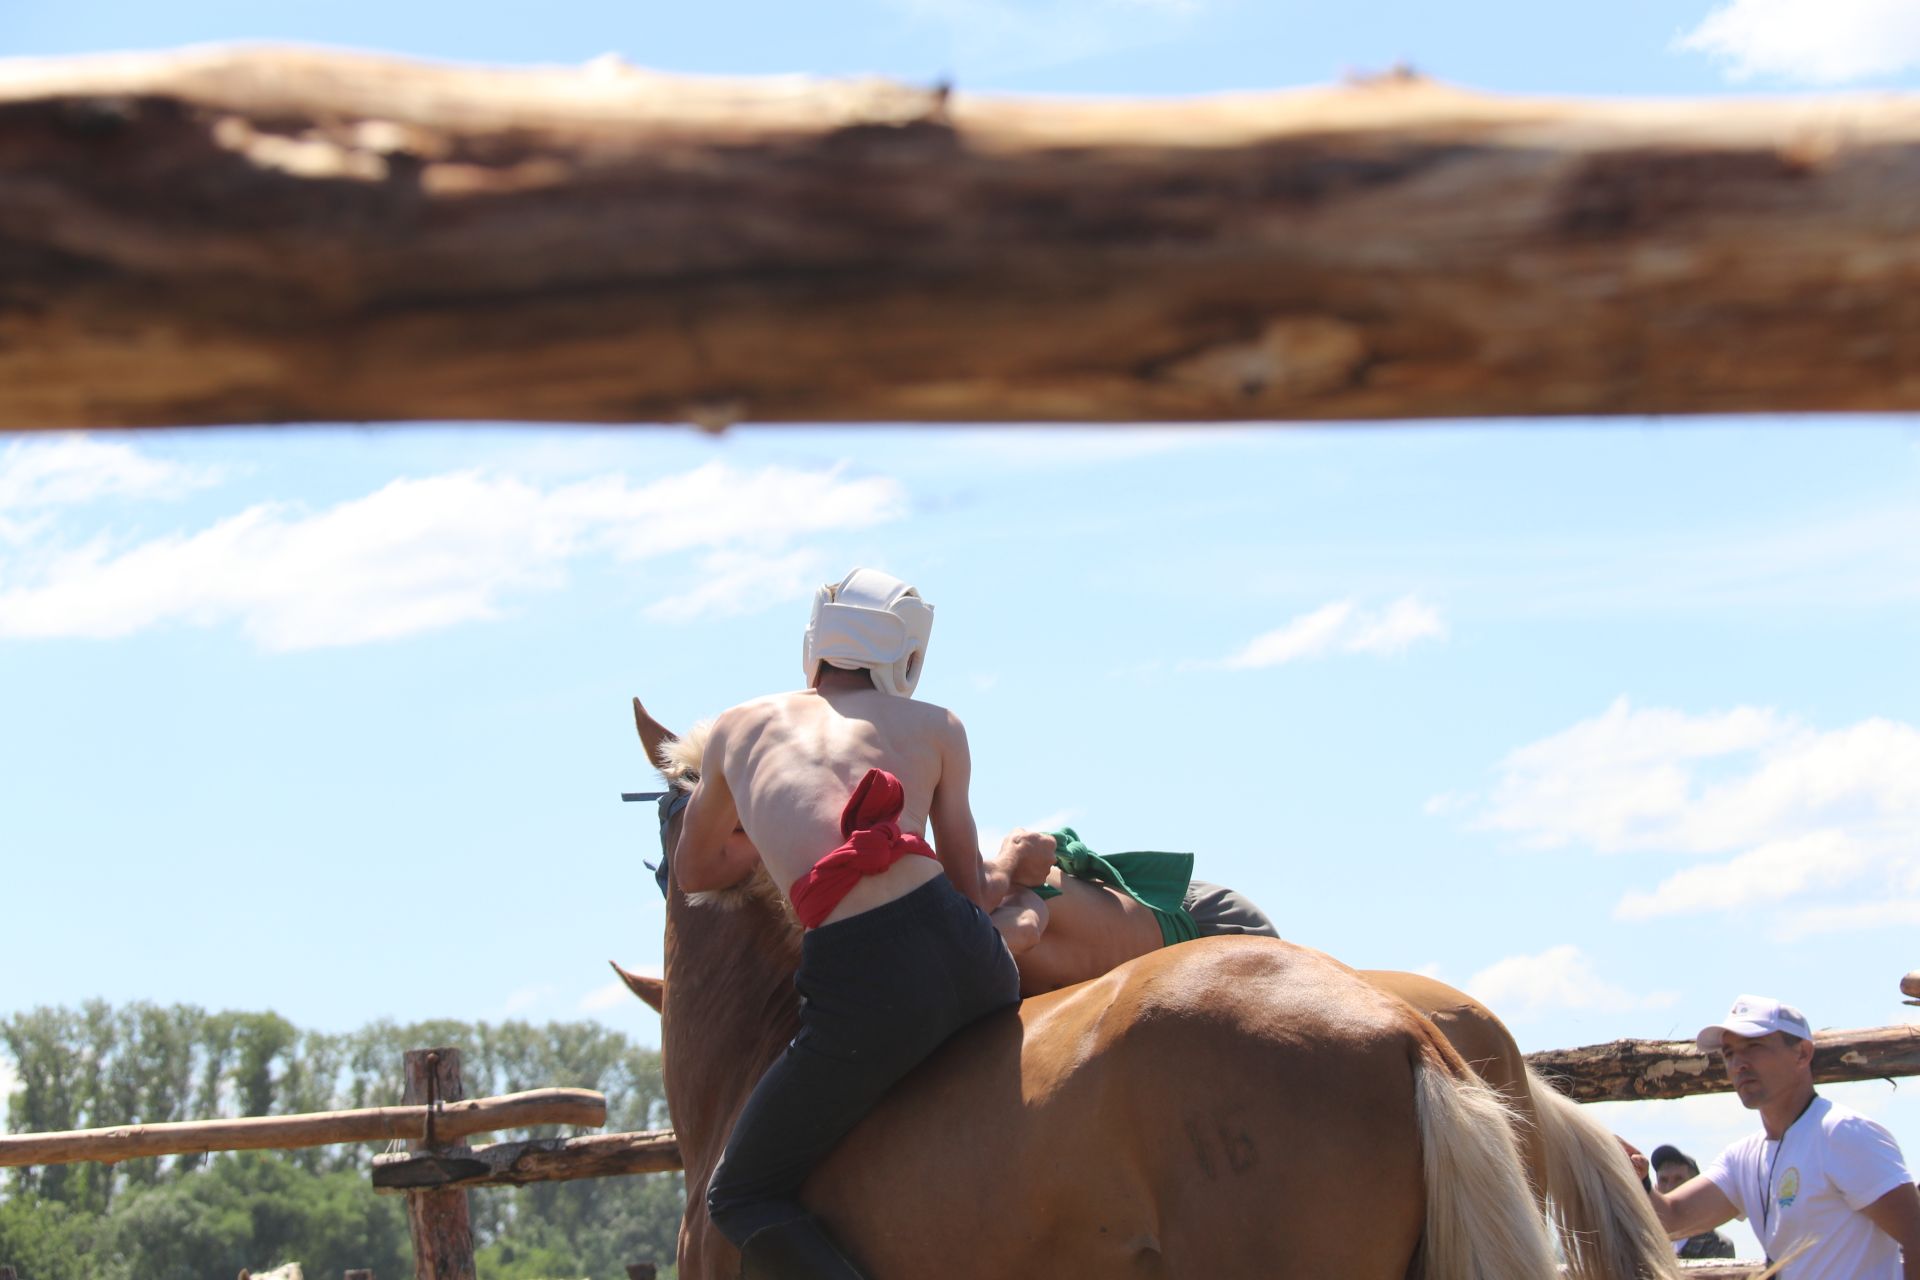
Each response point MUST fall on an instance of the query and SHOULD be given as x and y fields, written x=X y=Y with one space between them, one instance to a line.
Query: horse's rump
x=1487 y=1046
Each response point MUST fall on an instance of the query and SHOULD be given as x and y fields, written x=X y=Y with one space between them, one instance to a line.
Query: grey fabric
x=1217 y=911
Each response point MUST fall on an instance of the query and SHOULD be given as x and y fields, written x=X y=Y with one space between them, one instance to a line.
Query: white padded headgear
x=869 y=621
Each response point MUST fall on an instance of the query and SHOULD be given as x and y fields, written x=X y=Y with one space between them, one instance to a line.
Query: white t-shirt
x=1831 y=1163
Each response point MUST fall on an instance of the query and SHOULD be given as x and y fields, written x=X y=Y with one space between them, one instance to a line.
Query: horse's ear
x=652 y=735
x=652 y=991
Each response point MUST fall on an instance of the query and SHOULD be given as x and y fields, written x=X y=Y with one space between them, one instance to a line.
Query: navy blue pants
x=879 y=992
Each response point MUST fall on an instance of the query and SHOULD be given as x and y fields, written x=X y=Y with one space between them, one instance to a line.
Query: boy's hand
x=1027 y=856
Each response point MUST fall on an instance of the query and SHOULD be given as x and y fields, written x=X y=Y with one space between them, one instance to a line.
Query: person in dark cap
x=1671 y=1167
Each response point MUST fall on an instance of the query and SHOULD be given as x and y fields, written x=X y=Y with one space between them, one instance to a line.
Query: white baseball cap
x=1753 y=1016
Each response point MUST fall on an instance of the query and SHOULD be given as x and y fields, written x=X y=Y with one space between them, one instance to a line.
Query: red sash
x=874 y=841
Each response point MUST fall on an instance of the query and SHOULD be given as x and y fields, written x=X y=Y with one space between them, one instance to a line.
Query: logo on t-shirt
x=1789 y=1188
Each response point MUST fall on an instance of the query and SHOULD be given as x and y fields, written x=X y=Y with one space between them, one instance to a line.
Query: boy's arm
x=955 y=839
x=703 y=857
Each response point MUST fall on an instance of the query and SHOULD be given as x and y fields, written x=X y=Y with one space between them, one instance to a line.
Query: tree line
x=198 y=1216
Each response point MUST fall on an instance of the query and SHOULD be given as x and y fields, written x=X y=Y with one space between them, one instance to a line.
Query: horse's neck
x=730 y=1010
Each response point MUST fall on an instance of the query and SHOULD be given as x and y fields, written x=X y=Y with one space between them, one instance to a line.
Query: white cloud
x=1797 y=821
x=1339 y=627
x=1405 y=621
x=1658 y=779
x=65 y=470
x=1559 y=978
x=1827 y=43
x=422 y=554
x=736 y=582
x=1311 y=635
x=1772 y=873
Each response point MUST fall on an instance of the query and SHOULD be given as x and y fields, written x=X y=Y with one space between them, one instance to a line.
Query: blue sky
x=1606 y=722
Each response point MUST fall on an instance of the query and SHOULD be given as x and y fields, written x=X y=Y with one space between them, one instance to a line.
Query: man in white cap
x=1824 y=1188
x=832 y=787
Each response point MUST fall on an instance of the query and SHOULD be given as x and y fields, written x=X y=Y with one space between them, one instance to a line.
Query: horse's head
x=679 y=758
x=730 y=1006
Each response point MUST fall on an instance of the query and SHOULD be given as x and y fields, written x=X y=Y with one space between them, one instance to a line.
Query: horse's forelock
x=679 y=759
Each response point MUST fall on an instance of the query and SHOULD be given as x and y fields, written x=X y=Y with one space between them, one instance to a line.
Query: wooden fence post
x=356 y=1275
x=438 y=1221
x=6 y=1273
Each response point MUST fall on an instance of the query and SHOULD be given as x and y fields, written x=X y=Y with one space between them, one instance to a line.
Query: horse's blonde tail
x=1482 y=1220
x=1608 y=1230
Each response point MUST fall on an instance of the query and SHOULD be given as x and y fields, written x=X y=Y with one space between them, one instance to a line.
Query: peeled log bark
x=291 y=235
x=1625 y=1070
x=599 y=1155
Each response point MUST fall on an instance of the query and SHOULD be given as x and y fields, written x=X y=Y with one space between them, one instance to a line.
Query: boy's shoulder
x=745 y=718
x=936 y=715
x=923 y=716
x=755 y=708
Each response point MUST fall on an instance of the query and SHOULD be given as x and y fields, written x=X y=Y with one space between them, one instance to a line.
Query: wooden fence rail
x=451 y=1121
x=287 y=235
x=1628 y=1070
x=597 y=1155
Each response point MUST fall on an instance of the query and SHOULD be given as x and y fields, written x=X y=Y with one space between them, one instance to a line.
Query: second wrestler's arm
x=955 y=839
x=705 y=857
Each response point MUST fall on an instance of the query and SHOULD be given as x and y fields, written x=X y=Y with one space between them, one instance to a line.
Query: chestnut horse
x=1596 y=1203
x=1226 y=1107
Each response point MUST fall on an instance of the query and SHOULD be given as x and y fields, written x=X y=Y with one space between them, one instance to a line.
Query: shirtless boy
x=833 y=786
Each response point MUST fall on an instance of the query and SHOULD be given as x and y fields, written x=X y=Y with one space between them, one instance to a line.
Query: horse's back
x=1230 y=1106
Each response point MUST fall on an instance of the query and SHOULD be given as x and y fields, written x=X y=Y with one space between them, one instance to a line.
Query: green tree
x=258 y=1210
x=45 y=1240
x=97 y=1065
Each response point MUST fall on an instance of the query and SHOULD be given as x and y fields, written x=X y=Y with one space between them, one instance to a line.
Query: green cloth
x=1157 y=881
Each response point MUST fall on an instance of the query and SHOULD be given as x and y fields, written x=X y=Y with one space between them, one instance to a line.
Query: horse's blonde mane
x=680 y=760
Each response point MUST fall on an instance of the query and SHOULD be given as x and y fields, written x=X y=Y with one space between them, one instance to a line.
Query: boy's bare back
x=782 y=768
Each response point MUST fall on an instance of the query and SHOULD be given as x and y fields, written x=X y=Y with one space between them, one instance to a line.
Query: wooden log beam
x=285 y=235
x=374 y=1124
x=599 y=1155
x=1626 y=1070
